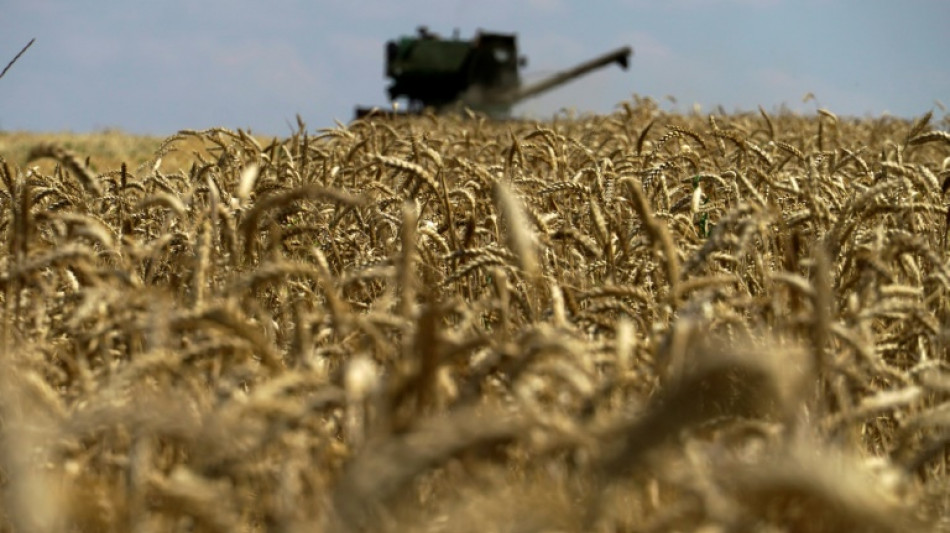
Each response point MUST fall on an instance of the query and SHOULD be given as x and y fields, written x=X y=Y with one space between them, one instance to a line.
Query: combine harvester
x=481 y=74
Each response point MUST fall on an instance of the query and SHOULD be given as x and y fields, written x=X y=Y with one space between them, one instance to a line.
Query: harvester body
x=481 y=74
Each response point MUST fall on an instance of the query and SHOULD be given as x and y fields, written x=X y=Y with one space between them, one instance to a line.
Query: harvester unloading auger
x=481 y=74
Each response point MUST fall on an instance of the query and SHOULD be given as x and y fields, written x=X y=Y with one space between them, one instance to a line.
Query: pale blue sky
x=159 y=66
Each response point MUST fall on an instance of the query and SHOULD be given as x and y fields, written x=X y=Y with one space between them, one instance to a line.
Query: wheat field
x=641 y=321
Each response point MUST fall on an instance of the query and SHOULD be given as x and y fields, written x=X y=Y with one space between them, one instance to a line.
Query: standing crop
x=638 y=321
